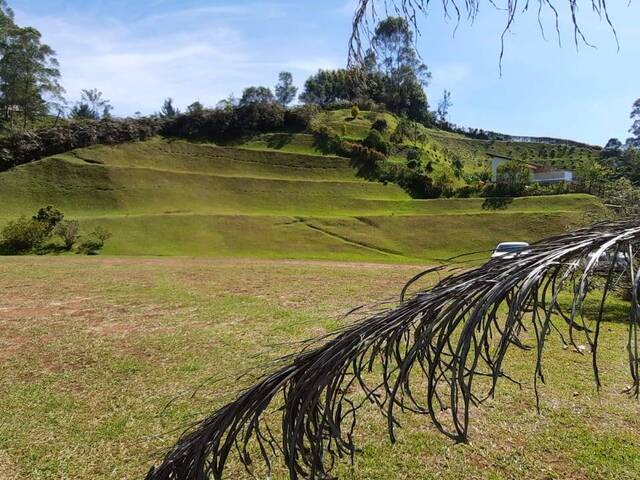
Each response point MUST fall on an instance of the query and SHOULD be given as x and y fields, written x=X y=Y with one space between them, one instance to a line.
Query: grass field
x=100 y=357
x=178 y=198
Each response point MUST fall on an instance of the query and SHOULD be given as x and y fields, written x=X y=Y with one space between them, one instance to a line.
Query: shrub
x=380 y=125
x=90 y=246
x=512 y=178
x=376 y=141
x=299 y=118
x=101 y=234
x=94 y=243
x=23 y=235
x=355 y=111
x=50 y=216
x=69 y=232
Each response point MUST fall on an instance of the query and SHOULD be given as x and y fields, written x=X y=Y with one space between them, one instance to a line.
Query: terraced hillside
x=176 y=198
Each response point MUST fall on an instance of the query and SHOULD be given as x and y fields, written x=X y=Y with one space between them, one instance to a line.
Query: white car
x=607 y=260
x=508 y=250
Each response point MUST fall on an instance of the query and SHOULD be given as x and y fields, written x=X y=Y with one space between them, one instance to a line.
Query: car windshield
x=510 y=248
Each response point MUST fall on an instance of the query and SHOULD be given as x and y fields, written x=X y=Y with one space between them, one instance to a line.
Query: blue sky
x=139 y=52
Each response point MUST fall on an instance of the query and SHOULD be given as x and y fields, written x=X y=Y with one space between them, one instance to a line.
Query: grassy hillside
x=444 y=147
x=177 y=198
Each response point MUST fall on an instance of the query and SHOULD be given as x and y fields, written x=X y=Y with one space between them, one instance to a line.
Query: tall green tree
x=252 y=95
x=635 y=127
x=92 y=106
x=29 y=72
x=443 y=106
x=168 y=110
x=394 y=57
x=285 y=90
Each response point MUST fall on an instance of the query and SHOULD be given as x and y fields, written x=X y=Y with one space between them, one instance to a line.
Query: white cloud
x=451 y=73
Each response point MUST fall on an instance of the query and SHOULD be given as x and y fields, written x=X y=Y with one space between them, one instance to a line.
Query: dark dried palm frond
x=368 y=12
x=437 y=353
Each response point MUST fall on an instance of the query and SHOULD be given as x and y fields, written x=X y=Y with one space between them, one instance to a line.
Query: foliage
x=22 y=235
x=593 y=176
x=69 y=232
x=298 y=118
x=376 y=141
x=635 y=127
x=408 y=130
x=26 y=146
x=90 y=246
x=443 y=179
x=29 y=73
x=413 y=157
x=512 y=177
x=49 y=216
x=195 y=108
x=26 y=235
x=94 y=242
x=101 y=234
x=92 y=106
x=285 y=90
x=259 y=95
x=620 y=163
x=622 y=197
x=394 y=61
x=443 y=106
x=168 y=110
x=331 y=86
x=380 y=125
x=355 y=111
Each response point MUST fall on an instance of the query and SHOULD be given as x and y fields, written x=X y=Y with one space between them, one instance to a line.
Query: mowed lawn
x=105 y=360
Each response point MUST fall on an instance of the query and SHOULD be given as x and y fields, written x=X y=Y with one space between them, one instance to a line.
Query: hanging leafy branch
x=435 y=354
x=368 y=12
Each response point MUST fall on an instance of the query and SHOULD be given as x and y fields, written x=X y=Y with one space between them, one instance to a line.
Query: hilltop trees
x=395 y=61
x=334 y=86
x=392 y=75
x=168 y=110
x=635 y=127
x=443 y=107
x=92 y=106
x=285 y=90
x=29 y=73
x=254 y=95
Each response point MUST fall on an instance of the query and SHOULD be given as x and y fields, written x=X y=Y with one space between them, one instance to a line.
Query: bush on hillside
x=50 y=216
x=69 y=232
x=355 y=111
x=90 y=246
x=22 y=235
x=380 y=125
x=298 y=119
x=376 y=141
x=32 y=235
x=222 y=124
x=27 y=146
x=94 y=242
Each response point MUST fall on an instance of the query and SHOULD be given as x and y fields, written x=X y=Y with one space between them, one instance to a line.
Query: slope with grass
x=177 y=198
x=442 y=146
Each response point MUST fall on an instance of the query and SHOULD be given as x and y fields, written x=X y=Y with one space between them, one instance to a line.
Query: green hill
x=177 y=198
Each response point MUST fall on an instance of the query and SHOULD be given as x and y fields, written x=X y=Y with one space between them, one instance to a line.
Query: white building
x=539 y=173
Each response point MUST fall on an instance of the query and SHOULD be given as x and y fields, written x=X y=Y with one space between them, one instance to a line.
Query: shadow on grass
x=279 y=140
x=497 y=203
